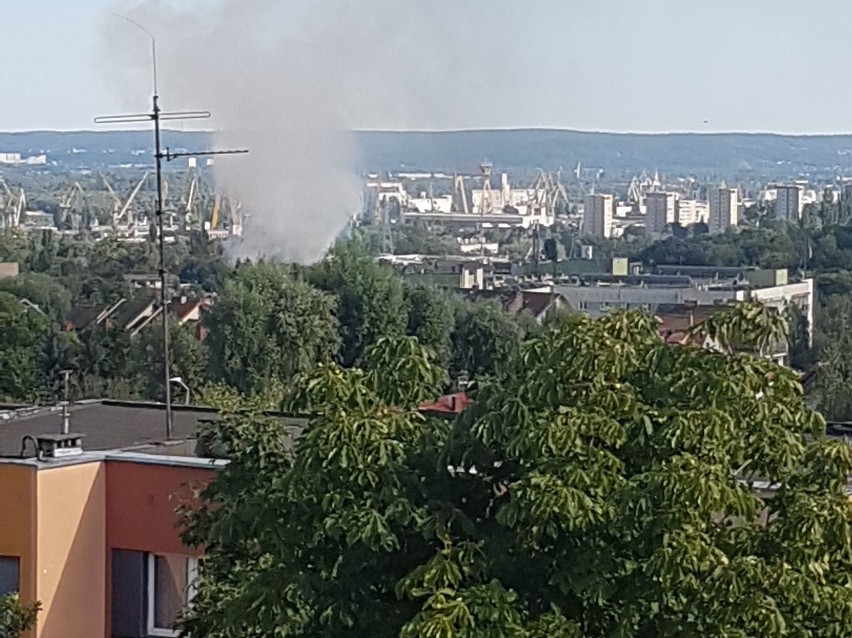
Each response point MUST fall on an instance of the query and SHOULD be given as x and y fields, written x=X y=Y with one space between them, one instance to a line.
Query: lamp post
x=179 y=381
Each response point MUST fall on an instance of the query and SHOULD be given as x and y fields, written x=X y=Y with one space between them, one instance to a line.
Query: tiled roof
x=129 y=312
x=82 y=316
x=448 y=404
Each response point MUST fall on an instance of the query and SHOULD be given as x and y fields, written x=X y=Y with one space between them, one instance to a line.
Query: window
x=10 y=568
x=170 y=590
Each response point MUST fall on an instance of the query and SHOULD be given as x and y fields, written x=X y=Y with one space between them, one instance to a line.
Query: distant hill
x=729 y=155
x=719 y=155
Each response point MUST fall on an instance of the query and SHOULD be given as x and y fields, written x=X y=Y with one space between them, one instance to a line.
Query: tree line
x=269 y=322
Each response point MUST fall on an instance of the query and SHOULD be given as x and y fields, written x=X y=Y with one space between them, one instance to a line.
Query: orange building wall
x=18 y=522
x=141 y=504
x=72 y=551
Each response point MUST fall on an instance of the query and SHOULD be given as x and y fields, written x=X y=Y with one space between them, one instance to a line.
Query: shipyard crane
x=460 y=195
x=217 y=207
x=558 y=193
x=236 y=228
x=125 y=214
x=234 y=211
x=71 y=215
x=486 y=205
x=8 y=212
x=188 y=203
x=20 y=208
x=584 y=188
x=116 y=200
x=166 y=208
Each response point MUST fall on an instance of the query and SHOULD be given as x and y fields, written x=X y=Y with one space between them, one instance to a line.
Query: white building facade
x=691 y=212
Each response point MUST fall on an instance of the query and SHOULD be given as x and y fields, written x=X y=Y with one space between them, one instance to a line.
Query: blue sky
x=654 y=65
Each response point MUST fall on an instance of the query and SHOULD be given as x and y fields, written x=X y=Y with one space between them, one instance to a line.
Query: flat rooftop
x=111 y=425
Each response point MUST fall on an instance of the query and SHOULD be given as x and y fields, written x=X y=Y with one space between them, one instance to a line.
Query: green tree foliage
x=107 y=364
x=187 y=359
x=370 y=297
x=44 y=291
x=22 y=335
x=484 y=338
x=605 y=484
x=13 y=246
x=16 y=617
x=267 y=326
x=783 y=248
x=431 y=319
x=832 y=390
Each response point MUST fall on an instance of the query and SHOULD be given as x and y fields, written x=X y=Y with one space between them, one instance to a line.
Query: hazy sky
x=623 y=65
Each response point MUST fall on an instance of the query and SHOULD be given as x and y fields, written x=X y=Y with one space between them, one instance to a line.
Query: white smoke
x=289 y=78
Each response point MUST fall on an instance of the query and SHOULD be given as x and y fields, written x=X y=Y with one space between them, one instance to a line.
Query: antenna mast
x=157 y=116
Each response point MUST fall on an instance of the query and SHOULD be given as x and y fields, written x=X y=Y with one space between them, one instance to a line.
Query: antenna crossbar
x=169 y=156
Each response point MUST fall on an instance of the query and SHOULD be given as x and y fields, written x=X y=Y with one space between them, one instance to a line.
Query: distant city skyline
x=605 y=65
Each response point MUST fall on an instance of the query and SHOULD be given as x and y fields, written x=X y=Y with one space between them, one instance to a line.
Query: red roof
x=455 y=403
x=184 y=309
x=537 y=302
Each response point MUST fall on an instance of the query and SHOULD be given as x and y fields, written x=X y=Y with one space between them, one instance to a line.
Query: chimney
x=57 y=446
x=66 y=417
x=461 y=381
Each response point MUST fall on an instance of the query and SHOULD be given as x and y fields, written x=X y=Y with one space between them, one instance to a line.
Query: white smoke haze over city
x=288 y=79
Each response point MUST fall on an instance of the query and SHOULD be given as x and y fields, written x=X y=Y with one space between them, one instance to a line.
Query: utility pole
x=157 y=116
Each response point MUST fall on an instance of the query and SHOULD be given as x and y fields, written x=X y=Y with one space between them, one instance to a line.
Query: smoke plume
x=290 y=80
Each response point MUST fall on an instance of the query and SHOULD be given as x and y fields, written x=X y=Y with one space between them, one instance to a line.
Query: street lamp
x=179 y=381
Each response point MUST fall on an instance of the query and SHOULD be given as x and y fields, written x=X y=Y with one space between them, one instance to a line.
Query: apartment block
x=597 y=215
x=660 y=212
x=724 y=209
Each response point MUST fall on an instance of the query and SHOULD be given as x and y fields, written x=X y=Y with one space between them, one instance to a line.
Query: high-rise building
x=660 y=211
x=788 y=203
x=724 y=209
x=597 y=215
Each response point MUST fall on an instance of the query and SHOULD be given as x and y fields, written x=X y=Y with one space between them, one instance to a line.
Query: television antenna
x=157 y=115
